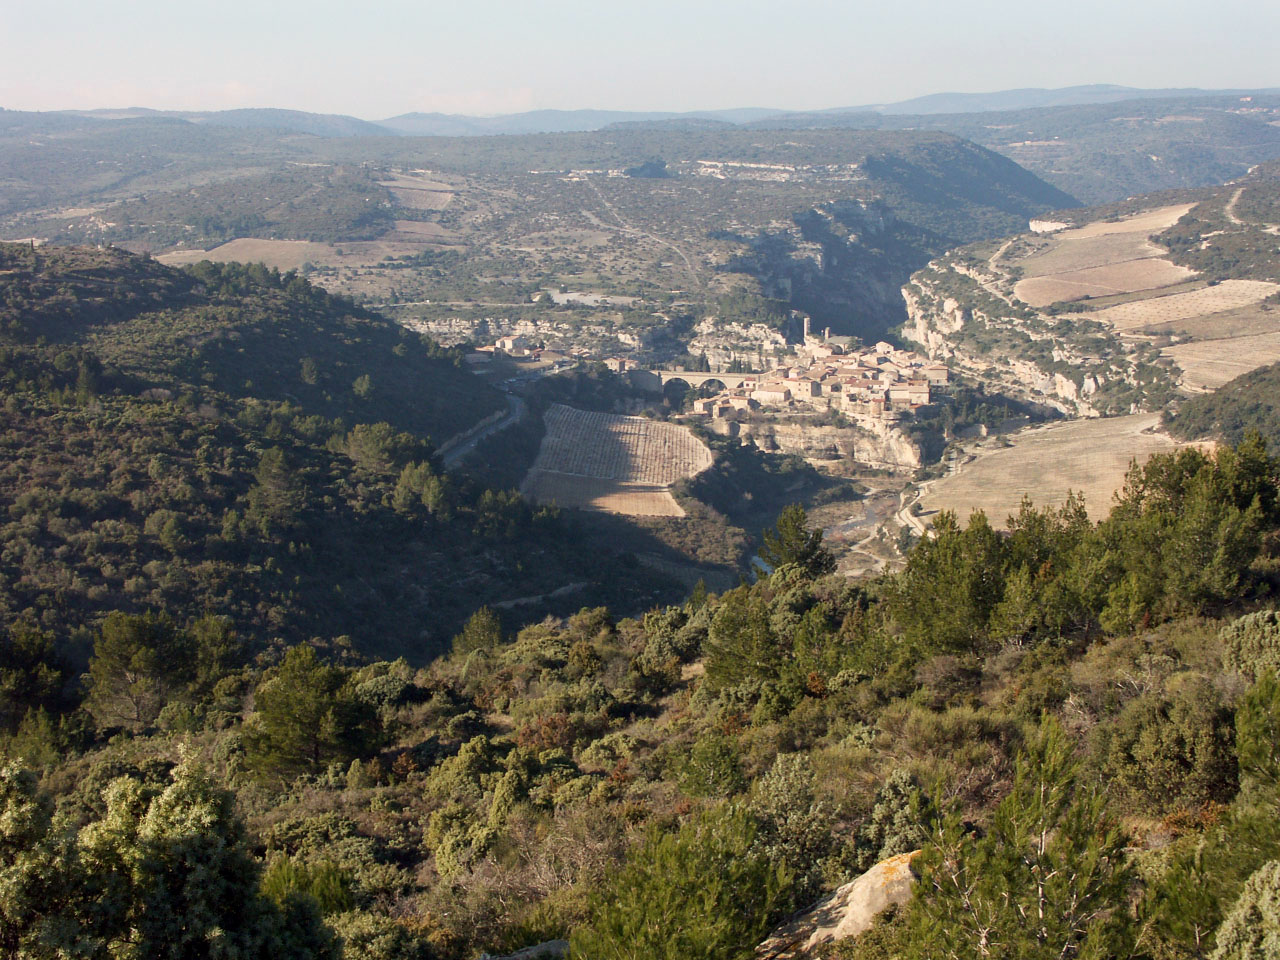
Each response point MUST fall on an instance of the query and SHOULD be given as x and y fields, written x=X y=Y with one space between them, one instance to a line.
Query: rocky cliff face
x=723 y=342
x=954 y=314
x=877 y=443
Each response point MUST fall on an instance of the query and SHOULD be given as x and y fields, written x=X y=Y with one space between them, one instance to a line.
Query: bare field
x=292 y=254
x=1208 y=364
x=419 y=193
x=1241 y=322
x=1101 y=303
x=282 y=254
x=1147 y=222
x=1127 y=277
x=1046 y=463
x=1228 y=295
x=601 y=461
x=1101 y=259
x=601 y=495
x=1063 y=257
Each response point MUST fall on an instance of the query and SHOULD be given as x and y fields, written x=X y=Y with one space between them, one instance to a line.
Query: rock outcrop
x=845 y=913
x=873 y=442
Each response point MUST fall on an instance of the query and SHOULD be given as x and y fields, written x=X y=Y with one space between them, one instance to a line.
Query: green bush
x=901 y=820
x=701 y=891
x=1251 y=644
x=1167 y=751
x=1251 y=931
x=711 y=768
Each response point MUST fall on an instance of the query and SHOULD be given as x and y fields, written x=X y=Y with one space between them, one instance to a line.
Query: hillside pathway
x=636 y=231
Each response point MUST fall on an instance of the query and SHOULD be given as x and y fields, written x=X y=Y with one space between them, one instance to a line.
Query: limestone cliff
x=723 y=342
x=877 y=443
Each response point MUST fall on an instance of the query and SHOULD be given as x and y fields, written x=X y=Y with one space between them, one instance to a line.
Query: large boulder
x=551 y=950
x=845 y=913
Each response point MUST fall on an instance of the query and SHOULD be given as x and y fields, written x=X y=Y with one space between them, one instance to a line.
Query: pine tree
x=1048 y=879
x=791 y=541
x=482 y=631
x=305 y=718
x=138 y=663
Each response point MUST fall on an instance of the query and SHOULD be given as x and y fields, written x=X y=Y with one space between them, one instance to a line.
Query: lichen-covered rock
x=845 y=913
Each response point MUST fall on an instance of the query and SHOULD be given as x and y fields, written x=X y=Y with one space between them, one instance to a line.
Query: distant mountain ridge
x=1028 y=98
x=558 y=121
x=434 y=124
x=578 y=121
x=294 y=121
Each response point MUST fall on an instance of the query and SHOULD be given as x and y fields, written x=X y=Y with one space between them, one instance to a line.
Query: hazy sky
x=386 y=57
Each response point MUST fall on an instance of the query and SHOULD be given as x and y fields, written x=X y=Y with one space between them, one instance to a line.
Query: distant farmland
x=1208 y=364
x=613 y=464
x=1218 y=330
x=1129 y=276
x=1100 y=259
x=1227 y=295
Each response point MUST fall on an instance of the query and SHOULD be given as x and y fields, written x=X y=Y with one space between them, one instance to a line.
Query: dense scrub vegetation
x=673 y=785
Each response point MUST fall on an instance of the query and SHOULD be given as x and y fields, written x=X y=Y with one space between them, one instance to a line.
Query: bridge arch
x=675 y=390
x=711 y=386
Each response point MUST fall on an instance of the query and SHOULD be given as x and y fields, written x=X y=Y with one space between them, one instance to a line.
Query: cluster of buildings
x=879 y=382
x=517 y=347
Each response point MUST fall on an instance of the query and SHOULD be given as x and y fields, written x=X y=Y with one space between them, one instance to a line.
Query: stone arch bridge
x=655 y=381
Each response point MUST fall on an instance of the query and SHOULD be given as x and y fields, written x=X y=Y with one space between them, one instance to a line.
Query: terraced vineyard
x=613 y=464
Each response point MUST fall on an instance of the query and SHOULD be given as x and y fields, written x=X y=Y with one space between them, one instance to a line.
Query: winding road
x=516 y=409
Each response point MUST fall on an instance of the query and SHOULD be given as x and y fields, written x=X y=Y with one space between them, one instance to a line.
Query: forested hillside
x=1248 y=403
x=230 y=441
